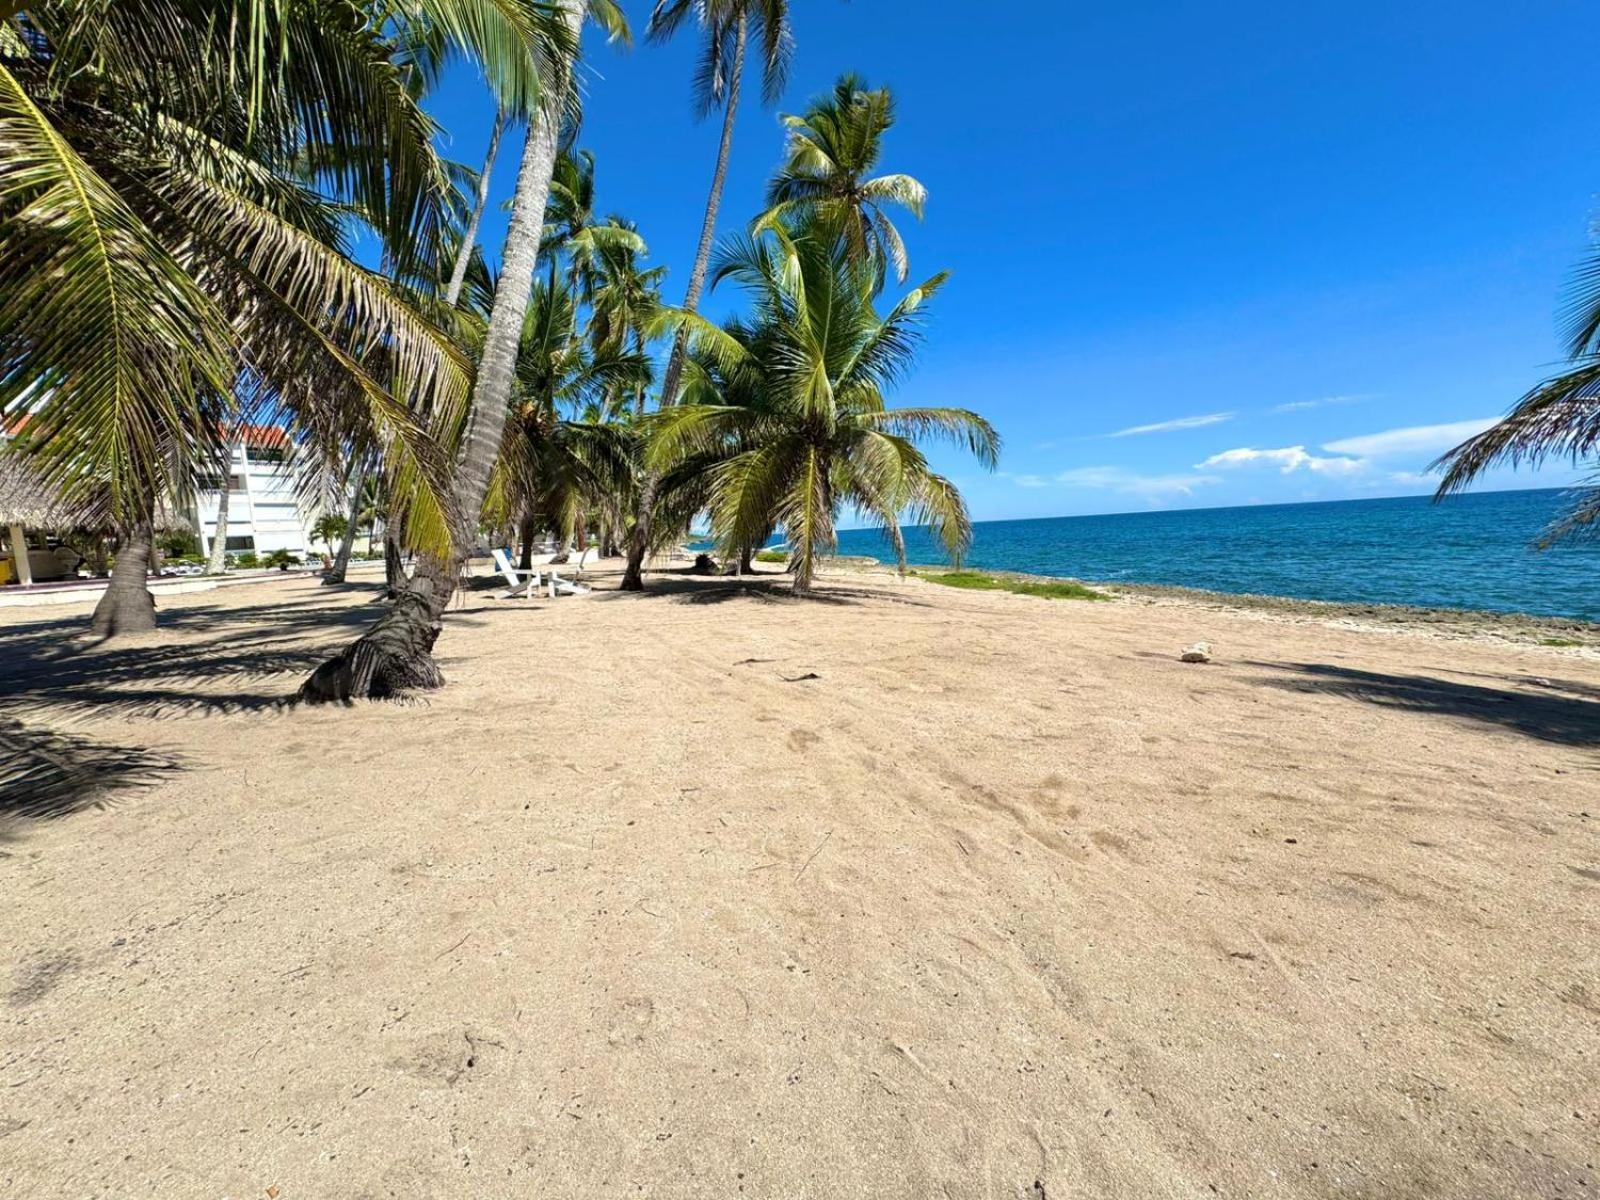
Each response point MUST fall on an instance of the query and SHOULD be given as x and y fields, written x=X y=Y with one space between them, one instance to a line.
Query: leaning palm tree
x=808 y=432
x=175 y=192
x=827 y=177
x=396 y=654
x=1558 y=419
x=726 y=26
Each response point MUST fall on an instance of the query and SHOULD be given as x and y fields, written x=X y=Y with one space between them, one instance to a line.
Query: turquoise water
x=1471 y=551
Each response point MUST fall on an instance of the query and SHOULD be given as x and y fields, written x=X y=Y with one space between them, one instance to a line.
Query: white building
x=263 y=512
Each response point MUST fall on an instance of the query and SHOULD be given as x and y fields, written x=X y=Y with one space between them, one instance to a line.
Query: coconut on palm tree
x=727 y=27
x=795 y=428
x=827 y=175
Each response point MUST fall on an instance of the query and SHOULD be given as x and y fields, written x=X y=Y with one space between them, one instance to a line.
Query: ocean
x=1471 y=551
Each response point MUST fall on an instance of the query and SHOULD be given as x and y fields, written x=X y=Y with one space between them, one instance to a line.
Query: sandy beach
x=899 y=891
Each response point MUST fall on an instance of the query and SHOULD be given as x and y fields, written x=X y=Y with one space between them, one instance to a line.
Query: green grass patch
x=1559 y=642
x=772 y=556
x=977 y=581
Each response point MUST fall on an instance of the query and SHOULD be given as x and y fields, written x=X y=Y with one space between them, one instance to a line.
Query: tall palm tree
x=801 y=429
x=1560 y=418
x=726 y=26
x=172 y=190
x=480 y=201
x=826 y=176
x=174 y=201
x=396 y=654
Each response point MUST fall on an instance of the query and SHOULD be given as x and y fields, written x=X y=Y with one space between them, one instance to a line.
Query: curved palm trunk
x=639 y=544
x=396 y=656
x=341 y=564
x=128 y=606
x=469 y=239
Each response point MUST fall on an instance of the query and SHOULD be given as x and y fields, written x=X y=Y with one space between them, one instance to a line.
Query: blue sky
x=1201 y=255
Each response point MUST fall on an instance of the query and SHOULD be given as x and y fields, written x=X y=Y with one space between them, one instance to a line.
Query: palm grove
x=183 y=185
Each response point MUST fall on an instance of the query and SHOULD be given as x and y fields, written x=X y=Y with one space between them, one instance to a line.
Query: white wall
x=261 y=506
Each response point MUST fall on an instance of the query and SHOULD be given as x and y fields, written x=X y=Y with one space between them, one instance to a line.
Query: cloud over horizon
x=1431 y=440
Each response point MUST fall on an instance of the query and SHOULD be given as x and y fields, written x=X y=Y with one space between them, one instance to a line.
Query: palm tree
x=396 y=654
x=564 y=454
x=624 y=298
x=329 y=526
x=801 y=429
x=480 y=201
x=826 y=176
x=174 y=201
x=726 y=26
x=1558 y=419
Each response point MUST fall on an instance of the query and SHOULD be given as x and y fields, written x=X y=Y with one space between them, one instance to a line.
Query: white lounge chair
x=527 y=582
x=522 y=582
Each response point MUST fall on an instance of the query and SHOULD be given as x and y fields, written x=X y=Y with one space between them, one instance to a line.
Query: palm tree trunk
x=394 y=576
x=128 y=606
x=396 y=654
x=525 y=533
x=469 y=239
x=341 y=564
x=217 y=559
x=639 y=544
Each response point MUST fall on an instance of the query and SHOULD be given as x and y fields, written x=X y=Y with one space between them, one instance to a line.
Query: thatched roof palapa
x=26 y=500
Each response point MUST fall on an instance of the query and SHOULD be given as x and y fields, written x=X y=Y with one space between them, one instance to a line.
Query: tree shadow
x=684 y=587
x=1571 y=719
x=45 y=774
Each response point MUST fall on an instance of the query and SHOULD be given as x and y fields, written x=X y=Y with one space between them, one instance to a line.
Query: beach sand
x=900 y=891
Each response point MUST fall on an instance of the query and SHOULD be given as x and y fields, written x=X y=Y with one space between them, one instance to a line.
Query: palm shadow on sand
x=1539 y=708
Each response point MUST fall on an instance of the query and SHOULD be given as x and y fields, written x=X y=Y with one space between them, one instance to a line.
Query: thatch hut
x=27 y=502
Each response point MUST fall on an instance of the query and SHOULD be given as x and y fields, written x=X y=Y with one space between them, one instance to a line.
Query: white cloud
x=1120 y=479
x=1176 y=423
x=1323 y=402
x=1415 y=439
x=1288 y=459
x=1027 y=481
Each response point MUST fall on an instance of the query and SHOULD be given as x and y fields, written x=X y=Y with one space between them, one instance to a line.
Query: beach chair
x=522 y=583
x=570 y=587
x=585 y=560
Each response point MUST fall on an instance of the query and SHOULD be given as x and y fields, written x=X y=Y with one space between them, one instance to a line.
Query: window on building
x=213 y=483
x=244 y=542
x=265 y=454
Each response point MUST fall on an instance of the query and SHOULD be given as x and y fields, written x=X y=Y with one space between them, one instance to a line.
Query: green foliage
x=772 y=556
x=1559 y=642
x=826 y=176
x=977 y=581
x=282 y=559
x=179 y=186
x=330 y=527
x=178 y=543
x=785 y=421
x=246 y=560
